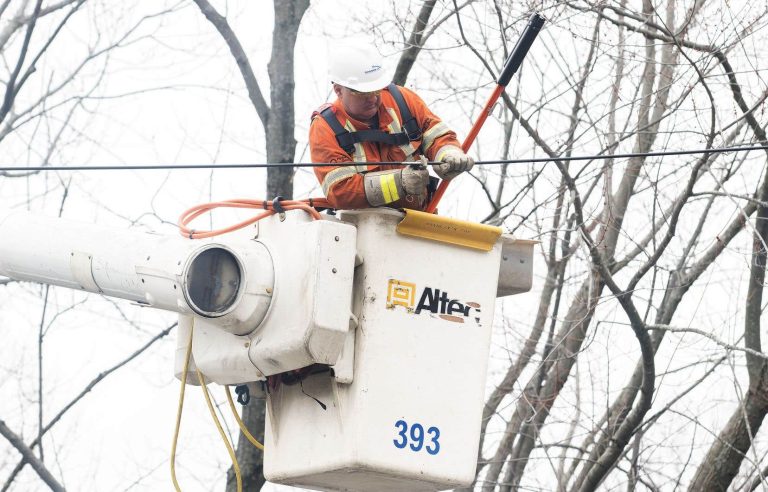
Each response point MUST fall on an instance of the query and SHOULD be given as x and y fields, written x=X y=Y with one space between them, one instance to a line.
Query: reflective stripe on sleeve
x=447 y=149
x=339 y=174
x=389 y=188
x=430 y=135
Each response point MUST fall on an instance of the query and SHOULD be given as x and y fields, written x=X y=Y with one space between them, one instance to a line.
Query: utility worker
x=375 y=121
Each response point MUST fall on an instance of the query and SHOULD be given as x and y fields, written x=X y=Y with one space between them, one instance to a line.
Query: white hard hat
x=358 y=67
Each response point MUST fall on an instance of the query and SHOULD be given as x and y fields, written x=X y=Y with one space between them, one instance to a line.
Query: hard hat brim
x=377 y=84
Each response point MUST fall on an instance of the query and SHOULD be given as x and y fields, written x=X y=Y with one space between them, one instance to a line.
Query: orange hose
x=191 y=214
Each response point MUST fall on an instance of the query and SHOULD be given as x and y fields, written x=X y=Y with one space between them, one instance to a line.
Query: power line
x=146 y=167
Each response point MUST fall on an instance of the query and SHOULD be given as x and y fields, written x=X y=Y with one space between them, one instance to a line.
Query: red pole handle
x=510 y=67
x=467 y=144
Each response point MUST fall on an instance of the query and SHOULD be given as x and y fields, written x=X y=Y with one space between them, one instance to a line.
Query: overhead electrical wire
x=533 y=160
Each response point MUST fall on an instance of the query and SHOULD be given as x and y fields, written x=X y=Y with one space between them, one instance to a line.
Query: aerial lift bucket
x=408 y=416
x=402 y=408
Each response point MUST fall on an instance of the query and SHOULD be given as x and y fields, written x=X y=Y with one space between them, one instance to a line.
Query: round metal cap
x=212 y=281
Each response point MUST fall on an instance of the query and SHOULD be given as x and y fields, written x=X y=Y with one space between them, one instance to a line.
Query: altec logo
x=431 y=300
x=373 y=68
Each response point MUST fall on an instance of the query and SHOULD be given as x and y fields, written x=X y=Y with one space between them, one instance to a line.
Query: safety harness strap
x=410 y=125
x=340 y=132
x=347 y=139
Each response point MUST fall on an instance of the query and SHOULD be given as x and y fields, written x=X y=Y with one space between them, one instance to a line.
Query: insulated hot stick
x=510 y=67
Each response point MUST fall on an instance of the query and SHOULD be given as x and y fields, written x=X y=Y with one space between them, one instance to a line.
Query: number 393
x=416 y=438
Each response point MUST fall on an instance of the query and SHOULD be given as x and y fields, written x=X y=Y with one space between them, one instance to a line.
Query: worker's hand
x=453 y=161
x=415 y=181
x=407 y=187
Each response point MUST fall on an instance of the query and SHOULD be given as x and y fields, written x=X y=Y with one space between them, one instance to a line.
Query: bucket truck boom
x=396 y=328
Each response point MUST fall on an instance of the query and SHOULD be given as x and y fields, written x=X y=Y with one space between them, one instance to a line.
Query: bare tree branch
x=710 y=336
x=20 y=20
x=30 y=458
x=238 y=53
x=413 y=48
x=87 y=389
x=10 y=86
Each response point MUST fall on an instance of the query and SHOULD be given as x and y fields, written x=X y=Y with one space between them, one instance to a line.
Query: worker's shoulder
x=320 y=109
x=394 y=87
x=410 y=96
x=317 y=116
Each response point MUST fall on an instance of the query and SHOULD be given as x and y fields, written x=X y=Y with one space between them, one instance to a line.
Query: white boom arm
x=161 y=271
x=263 y=304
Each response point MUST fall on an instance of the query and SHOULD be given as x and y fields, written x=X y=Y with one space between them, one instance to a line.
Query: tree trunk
x=281 y=144
x=724 y=458
x=727 y=452
x=415 y=43
x=278 y=120
x=250 y=459
x=281 y=148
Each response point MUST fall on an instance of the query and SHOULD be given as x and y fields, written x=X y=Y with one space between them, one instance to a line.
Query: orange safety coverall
x=342 y=181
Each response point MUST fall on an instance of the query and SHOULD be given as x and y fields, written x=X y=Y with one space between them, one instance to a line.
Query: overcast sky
x=171 y=94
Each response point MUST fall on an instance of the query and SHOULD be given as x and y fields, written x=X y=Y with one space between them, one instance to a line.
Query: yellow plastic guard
x=448 y=230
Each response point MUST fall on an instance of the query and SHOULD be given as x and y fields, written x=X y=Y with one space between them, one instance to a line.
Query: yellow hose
x=240 y=423
x=231 y=451
x=243 y=428
x=180 y=407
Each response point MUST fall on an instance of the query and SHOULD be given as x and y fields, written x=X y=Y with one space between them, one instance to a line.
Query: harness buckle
x=414 y=133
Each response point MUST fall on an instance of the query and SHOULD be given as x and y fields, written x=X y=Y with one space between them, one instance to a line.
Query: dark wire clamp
x=277 y=206
x=243 y=394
